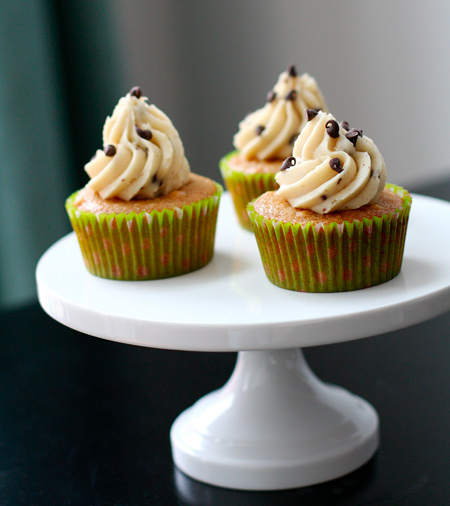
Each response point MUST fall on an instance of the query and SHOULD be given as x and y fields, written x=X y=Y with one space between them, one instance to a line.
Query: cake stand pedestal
x=274 y=425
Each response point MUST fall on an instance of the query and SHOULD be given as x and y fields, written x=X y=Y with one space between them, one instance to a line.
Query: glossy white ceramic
x=229 y=305
x=274 y=425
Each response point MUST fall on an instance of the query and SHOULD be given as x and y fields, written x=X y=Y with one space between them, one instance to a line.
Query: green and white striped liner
x=143 y=246
x=333 y=257
x=245 y=187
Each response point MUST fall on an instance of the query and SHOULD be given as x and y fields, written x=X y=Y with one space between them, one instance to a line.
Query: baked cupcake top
x=270 y=132
x=332 y=167
x=143 y=156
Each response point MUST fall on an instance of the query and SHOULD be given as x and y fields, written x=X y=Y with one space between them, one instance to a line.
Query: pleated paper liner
x=244 y=187
x=143 y=246
x=333 y=257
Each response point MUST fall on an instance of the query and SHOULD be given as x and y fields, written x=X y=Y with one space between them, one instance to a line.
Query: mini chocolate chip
x=353 y=135
x=293 y=138
x=259 y=129
x=136 y=92
x=311 y=113
x=271 y=96
x=145 y=134
x=292 y=70
x=336 y=165
x=292 y=95
x=323 y=197
x=339 y=180
x=288 y=163
x=332 y=129
x=109 y=150
x=345 y=125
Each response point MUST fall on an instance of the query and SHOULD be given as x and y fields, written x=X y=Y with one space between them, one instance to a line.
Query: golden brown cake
x=143 y=214
x=334 y=224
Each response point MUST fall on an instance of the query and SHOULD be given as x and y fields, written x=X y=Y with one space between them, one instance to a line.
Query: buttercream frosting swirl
x=332 y=168
x=270 y=132
x=143 y=155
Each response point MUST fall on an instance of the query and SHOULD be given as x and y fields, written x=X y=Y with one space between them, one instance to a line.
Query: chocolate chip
x=292 y=95
x=336 y=165
x=259 y=129
x=345 y=125
x=271 y=96
x=292 y=70
x=293 y=139
x=339 y=180
x=109 y=150
x=136 y=92
x=288 y=163
x=323 y=197
x=311 y=113
x=145 y=134
x=332 y=129
x=353 y=135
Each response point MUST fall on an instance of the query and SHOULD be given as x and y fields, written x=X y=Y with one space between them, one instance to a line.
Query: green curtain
x=60 y=75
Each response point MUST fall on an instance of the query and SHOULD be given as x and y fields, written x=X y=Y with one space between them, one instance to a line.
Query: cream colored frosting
x=148 y=158
x=281 y=117
x=311 y=183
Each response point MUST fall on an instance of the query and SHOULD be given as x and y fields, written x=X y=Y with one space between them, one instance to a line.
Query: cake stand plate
x=274 y=425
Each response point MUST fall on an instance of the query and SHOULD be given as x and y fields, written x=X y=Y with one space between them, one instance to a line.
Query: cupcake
x=334 y=224
x=143 y=214
x=266 y=137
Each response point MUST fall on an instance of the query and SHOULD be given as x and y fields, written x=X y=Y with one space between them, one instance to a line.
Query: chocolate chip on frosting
x=109 y=150
x=311 y=113
x=345 y=125
x=259 y=129
x=271 y=96
x=353 y=135
x=293 y=139
x=145 y=134
x=332 y=129
x=288 y=163
x=292 y=70
x=323 y=197
x=136 y=92
x=292 y=95
x=336 y=165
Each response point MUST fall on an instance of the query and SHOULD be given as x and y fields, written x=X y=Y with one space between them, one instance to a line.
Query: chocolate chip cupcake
x=266 y=137
x=333 y=225
x=143 y=214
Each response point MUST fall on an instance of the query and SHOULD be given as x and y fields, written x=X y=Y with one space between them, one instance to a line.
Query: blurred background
x=382 y=66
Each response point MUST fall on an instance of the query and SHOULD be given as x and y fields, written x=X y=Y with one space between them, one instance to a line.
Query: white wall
x=383 y=66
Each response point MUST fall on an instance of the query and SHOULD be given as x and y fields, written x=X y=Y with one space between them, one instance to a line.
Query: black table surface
x=85 y=421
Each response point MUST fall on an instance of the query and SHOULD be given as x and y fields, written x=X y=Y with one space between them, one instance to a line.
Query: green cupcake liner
x=144 y=246
x=245 y=187
x=333 y=257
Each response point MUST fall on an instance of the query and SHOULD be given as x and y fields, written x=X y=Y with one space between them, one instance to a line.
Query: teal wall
x=58 y=81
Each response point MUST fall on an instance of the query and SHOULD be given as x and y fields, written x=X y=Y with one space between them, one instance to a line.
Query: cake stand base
x=274 y=425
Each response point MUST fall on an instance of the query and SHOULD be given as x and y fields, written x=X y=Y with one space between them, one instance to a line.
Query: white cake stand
x=274 y=425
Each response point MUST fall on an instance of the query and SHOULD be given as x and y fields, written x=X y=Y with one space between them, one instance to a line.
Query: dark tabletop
x=86 y=422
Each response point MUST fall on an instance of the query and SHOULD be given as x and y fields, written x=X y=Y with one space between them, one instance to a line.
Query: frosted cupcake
x=333 y=225
x=266 y=137
x=143 y=214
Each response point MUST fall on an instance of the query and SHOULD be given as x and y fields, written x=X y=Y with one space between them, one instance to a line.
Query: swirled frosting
x=270 y=132
x=332 y=168
x=143 y=156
